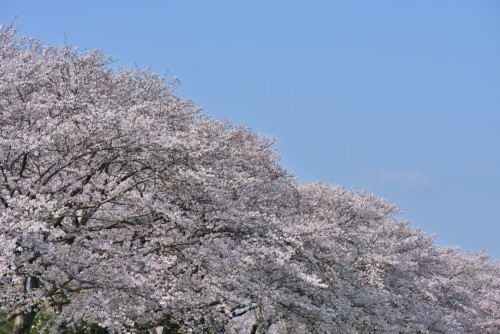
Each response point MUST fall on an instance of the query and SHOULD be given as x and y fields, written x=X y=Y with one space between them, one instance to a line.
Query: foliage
x=41 y=319
x=7 y=327
x=131 y=209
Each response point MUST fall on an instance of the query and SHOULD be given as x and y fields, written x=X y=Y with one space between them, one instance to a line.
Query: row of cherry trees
x=124 y=206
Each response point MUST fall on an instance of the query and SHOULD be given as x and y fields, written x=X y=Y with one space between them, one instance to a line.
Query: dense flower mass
x=125 y=208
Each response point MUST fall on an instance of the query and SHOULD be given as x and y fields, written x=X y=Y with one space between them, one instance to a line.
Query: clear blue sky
x=398 y=98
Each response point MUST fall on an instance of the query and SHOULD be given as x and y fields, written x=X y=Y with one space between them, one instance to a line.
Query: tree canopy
x=125 y=207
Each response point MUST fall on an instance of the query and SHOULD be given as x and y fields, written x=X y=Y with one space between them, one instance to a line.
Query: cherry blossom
x=125 y=207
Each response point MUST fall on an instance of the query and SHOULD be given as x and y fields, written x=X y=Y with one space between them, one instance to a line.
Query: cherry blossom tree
x=125 y=208
x=124 y=203
x=388 y=276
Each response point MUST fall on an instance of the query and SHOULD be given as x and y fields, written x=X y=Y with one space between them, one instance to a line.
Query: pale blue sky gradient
x=397 y=98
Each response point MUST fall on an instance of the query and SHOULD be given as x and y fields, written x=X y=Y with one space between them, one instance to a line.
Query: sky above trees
x=398 y=99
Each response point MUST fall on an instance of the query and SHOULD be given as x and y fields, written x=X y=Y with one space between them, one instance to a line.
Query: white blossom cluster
x=125 y=207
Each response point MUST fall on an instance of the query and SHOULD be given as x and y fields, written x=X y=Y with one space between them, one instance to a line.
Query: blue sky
x=397 y=98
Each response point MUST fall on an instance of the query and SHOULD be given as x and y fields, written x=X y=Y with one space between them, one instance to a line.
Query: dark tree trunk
x=23 y=322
